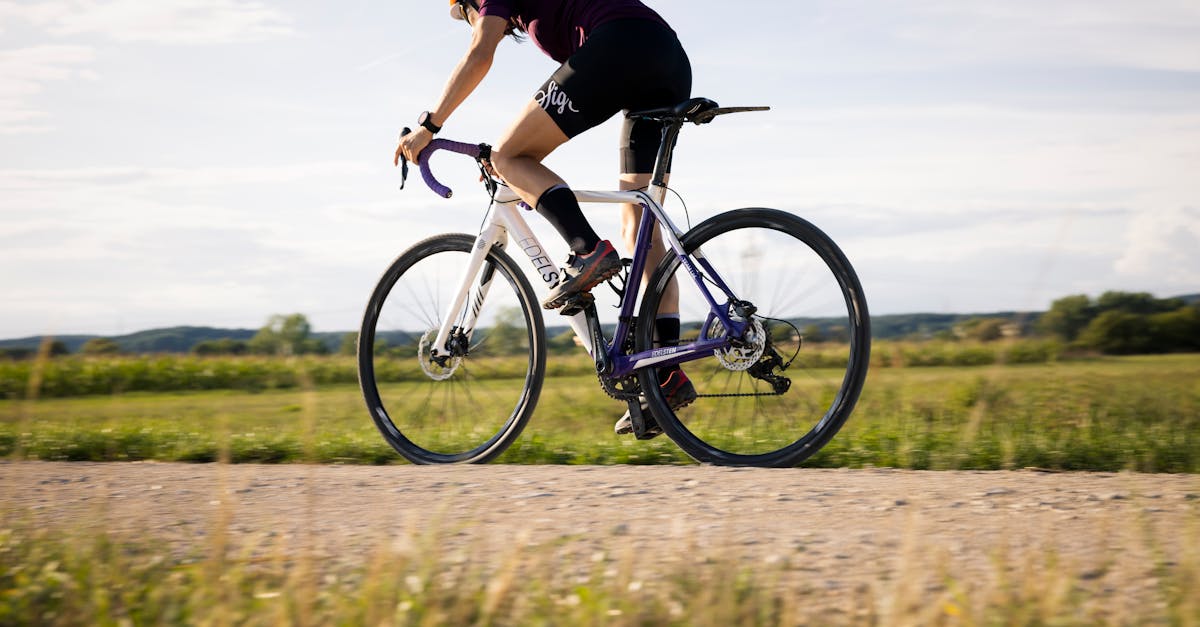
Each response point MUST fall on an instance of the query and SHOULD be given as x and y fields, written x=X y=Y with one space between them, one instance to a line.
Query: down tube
x=543 y=267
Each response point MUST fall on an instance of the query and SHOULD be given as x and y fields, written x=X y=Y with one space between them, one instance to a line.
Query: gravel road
x=832 y=529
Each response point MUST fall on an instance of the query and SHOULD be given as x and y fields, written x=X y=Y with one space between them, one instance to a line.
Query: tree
x=100 y=346
x=507 y=335
x=18 y=352
x=1177 y=330
x=1136 y=303
x=286 y=335
x=349 y=345
x=563 y=342
x=1067 y=317
x=1118 y=333
x=982 y=329
x=223 y=346
x=812 y=333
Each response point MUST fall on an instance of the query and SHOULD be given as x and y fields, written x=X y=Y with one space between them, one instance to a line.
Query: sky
x=214 y=162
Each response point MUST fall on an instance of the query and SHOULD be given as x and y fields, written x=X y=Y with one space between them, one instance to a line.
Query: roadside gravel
x=840 y=530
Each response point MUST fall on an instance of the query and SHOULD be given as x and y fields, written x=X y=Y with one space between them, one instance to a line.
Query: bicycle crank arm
x=637 y=418
x=586 y=303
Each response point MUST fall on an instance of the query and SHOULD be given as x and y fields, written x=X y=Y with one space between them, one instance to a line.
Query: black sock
x=666 y=332
x=558 y=205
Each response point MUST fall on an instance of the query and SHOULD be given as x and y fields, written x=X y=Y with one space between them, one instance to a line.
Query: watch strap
x=426 y=121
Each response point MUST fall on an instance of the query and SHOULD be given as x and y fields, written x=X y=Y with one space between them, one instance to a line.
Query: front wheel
x=468 y=401
x=784 y=387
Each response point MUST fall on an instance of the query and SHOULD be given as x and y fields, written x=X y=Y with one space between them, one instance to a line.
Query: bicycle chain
x=738 y=395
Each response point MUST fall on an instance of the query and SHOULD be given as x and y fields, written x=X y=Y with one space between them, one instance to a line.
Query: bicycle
x=452 y=349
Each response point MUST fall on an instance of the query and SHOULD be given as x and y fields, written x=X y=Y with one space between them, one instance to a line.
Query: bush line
x=71 y=376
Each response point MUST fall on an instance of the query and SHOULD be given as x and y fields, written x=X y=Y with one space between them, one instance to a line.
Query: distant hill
x=171 y=340
x=182 y=339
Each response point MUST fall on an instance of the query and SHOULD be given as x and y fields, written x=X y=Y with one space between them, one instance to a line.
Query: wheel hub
x=436 y=368
x=744 y=352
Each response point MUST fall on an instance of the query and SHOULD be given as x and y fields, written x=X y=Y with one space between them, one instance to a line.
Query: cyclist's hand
x=412 y=144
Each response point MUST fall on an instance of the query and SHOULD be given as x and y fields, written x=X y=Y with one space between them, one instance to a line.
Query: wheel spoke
x=474 y=407
x=797 y=275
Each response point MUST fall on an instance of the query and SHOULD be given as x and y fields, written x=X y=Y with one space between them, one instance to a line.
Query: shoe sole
x=589 y=282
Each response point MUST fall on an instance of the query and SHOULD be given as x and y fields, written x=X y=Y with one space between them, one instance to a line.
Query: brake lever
x=403 y=160
x=484 y=162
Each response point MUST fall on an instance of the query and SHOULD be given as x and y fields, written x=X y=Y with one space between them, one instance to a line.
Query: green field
x=1130 y=413
x=1134 y=413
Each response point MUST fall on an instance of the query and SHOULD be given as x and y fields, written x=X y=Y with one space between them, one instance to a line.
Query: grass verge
x=1135 y=413
x=55 y=575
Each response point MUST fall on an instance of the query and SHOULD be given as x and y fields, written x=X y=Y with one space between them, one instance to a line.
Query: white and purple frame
x=505 y=223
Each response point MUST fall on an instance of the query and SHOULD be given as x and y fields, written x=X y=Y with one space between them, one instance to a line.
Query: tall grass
x=74 y=575
x=72 y=376
x=1138 y=413
x=68 y=574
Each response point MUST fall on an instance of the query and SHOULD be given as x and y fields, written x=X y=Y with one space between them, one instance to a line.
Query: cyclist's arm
x=486 y=36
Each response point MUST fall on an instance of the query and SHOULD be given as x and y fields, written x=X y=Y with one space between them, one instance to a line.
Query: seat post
x=666 y=151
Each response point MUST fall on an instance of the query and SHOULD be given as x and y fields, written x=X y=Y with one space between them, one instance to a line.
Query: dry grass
x=73 y=574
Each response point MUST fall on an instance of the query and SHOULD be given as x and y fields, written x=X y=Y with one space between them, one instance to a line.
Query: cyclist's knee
x=505 y=159
x=501 y=160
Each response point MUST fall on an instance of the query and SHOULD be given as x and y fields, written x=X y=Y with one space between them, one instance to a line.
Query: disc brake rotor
x=744 y=353
x=433 y=369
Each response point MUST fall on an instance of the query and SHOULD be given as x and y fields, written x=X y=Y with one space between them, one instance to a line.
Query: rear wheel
x=783 y=389
x=469 y=401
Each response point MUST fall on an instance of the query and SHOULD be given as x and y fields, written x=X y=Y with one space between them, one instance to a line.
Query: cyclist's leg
x=631 y=216
x=663 y=81
x=518 y=154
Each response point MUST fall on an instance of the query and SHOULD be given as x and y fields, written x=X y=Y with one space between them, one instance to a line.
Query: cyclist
x=615 y=55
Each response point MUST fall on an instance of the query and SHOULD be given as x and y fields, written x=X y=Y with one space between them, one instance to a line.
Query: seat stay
x=623 y=365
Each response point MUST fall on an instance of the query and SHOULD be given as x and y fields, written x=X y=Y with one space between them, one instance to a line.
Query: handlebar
x=475 y=151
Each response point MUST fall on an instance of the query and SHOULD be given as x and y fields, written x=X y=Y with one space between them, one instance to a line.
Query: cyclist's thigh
x=619 y=67
x=663 y=81
x=533 y=134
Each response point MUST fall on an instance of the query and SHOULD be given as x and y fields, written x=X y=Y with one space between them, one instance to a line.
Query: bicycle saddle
x=696 y=111
x=689 y=110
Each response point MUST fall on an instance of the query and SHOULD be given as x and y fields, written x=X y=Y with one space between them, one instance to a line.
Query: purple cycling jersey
x=559 y=27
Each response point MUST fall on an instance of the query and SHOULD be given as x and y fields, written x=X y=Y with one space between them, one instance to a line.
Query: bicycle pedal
x=577 y=304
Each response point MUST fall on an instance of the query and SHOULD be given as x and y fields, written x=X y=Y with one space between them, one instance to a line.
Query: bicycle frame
x=505 y=223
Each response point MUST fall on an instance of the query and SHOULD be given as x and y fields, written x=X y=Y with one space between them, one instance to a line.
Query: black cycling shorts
x=625 y=65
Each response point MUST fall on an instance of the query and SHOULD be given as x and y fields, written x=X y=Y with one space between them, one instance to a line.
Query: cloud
x=135 y=179
x=25 y=72
x=1161 y=34
x=1163 y=245
x=869 y=35
x=182 y=22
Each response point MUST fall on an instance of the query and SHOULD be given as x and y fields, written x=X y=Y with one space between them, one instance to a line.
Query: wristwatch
x=426 y=121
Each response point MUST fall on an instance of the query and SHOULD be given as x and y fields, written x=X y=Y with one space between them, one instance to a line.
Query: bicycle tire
x=726 y=425
x=469 y=409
